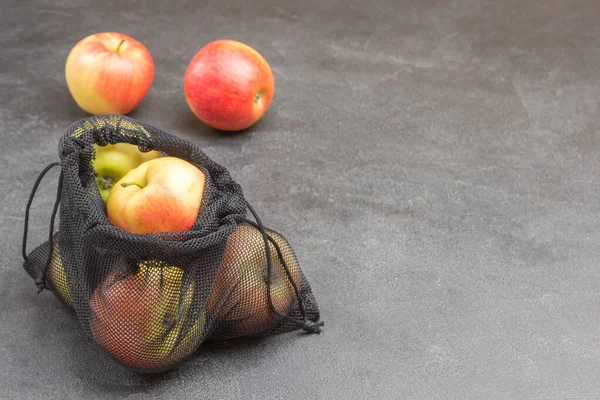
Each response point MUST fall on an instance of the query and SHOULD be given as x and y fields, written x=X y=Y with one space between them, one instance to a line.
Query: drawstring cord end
x=312 y=327
x=40 y=285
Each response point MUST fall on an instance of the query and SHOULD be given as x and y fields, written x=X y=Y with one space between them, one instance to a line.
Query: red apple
x=239 y=295
x=109 y=73
x=229 y=85
x=138 y=317
x=160 y=195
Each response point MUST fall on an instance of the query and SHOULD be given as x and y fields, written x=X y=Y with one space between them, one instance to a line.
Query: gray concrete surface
x=435 y=165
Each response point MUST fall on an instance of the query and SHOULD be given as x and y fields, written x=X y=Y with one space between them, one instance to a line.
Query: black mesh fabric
x=150 y=300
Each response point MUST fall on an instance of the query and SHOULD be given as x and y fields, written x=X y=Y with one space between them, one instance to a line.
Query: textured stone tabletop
x=434 y=164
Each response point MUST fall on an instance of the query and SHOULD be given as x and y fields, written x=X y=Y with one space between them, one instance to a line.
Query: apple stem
x=125 y=184
x=120 y=44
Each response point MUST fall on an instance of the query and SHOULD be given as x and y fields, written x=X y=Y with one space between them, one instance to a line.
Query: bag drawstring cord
x=40 y=281
x=306 y=324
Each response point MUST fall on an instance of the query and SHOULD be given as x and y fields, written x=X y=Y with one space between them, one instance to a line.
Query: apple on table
x=229 y=85
x=109 y=73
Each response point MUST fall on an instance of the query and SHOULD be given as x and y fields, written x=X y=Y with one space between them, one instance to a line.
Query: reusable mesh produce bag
x=150 y=300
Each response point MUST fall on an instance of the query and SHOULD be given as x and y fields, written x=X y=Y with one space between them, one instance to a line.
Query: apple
x=56 y=277
x=239 y=296
x=109 y=73
x=113 y=161
x=160 y=195
x=138 y=317
x=228 y=85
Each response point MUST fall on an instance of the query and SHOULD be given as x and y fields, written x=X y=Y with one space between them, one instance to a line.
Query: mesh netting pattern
x=151 y=300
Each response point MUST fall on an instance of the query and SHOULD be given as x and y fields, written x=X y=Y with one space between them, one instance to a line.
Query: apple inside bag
x=240 y=295
x=155 y=253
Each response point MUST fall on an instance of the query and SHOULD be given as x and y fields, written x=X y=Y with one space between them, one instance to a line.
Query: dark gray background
x=434 y=164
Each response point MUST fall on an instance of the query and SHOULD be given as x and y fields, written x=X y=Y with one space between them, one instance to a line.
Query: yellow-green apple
x=138 y=317
x=113 y=161
x=160 y=195
x=239 y=295
x=229 y=85
x=56 y=277
x=109 y=73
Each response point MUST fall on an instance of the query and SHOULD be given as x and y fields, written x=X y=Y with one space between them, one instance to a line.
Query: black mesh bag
x=150 y=300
